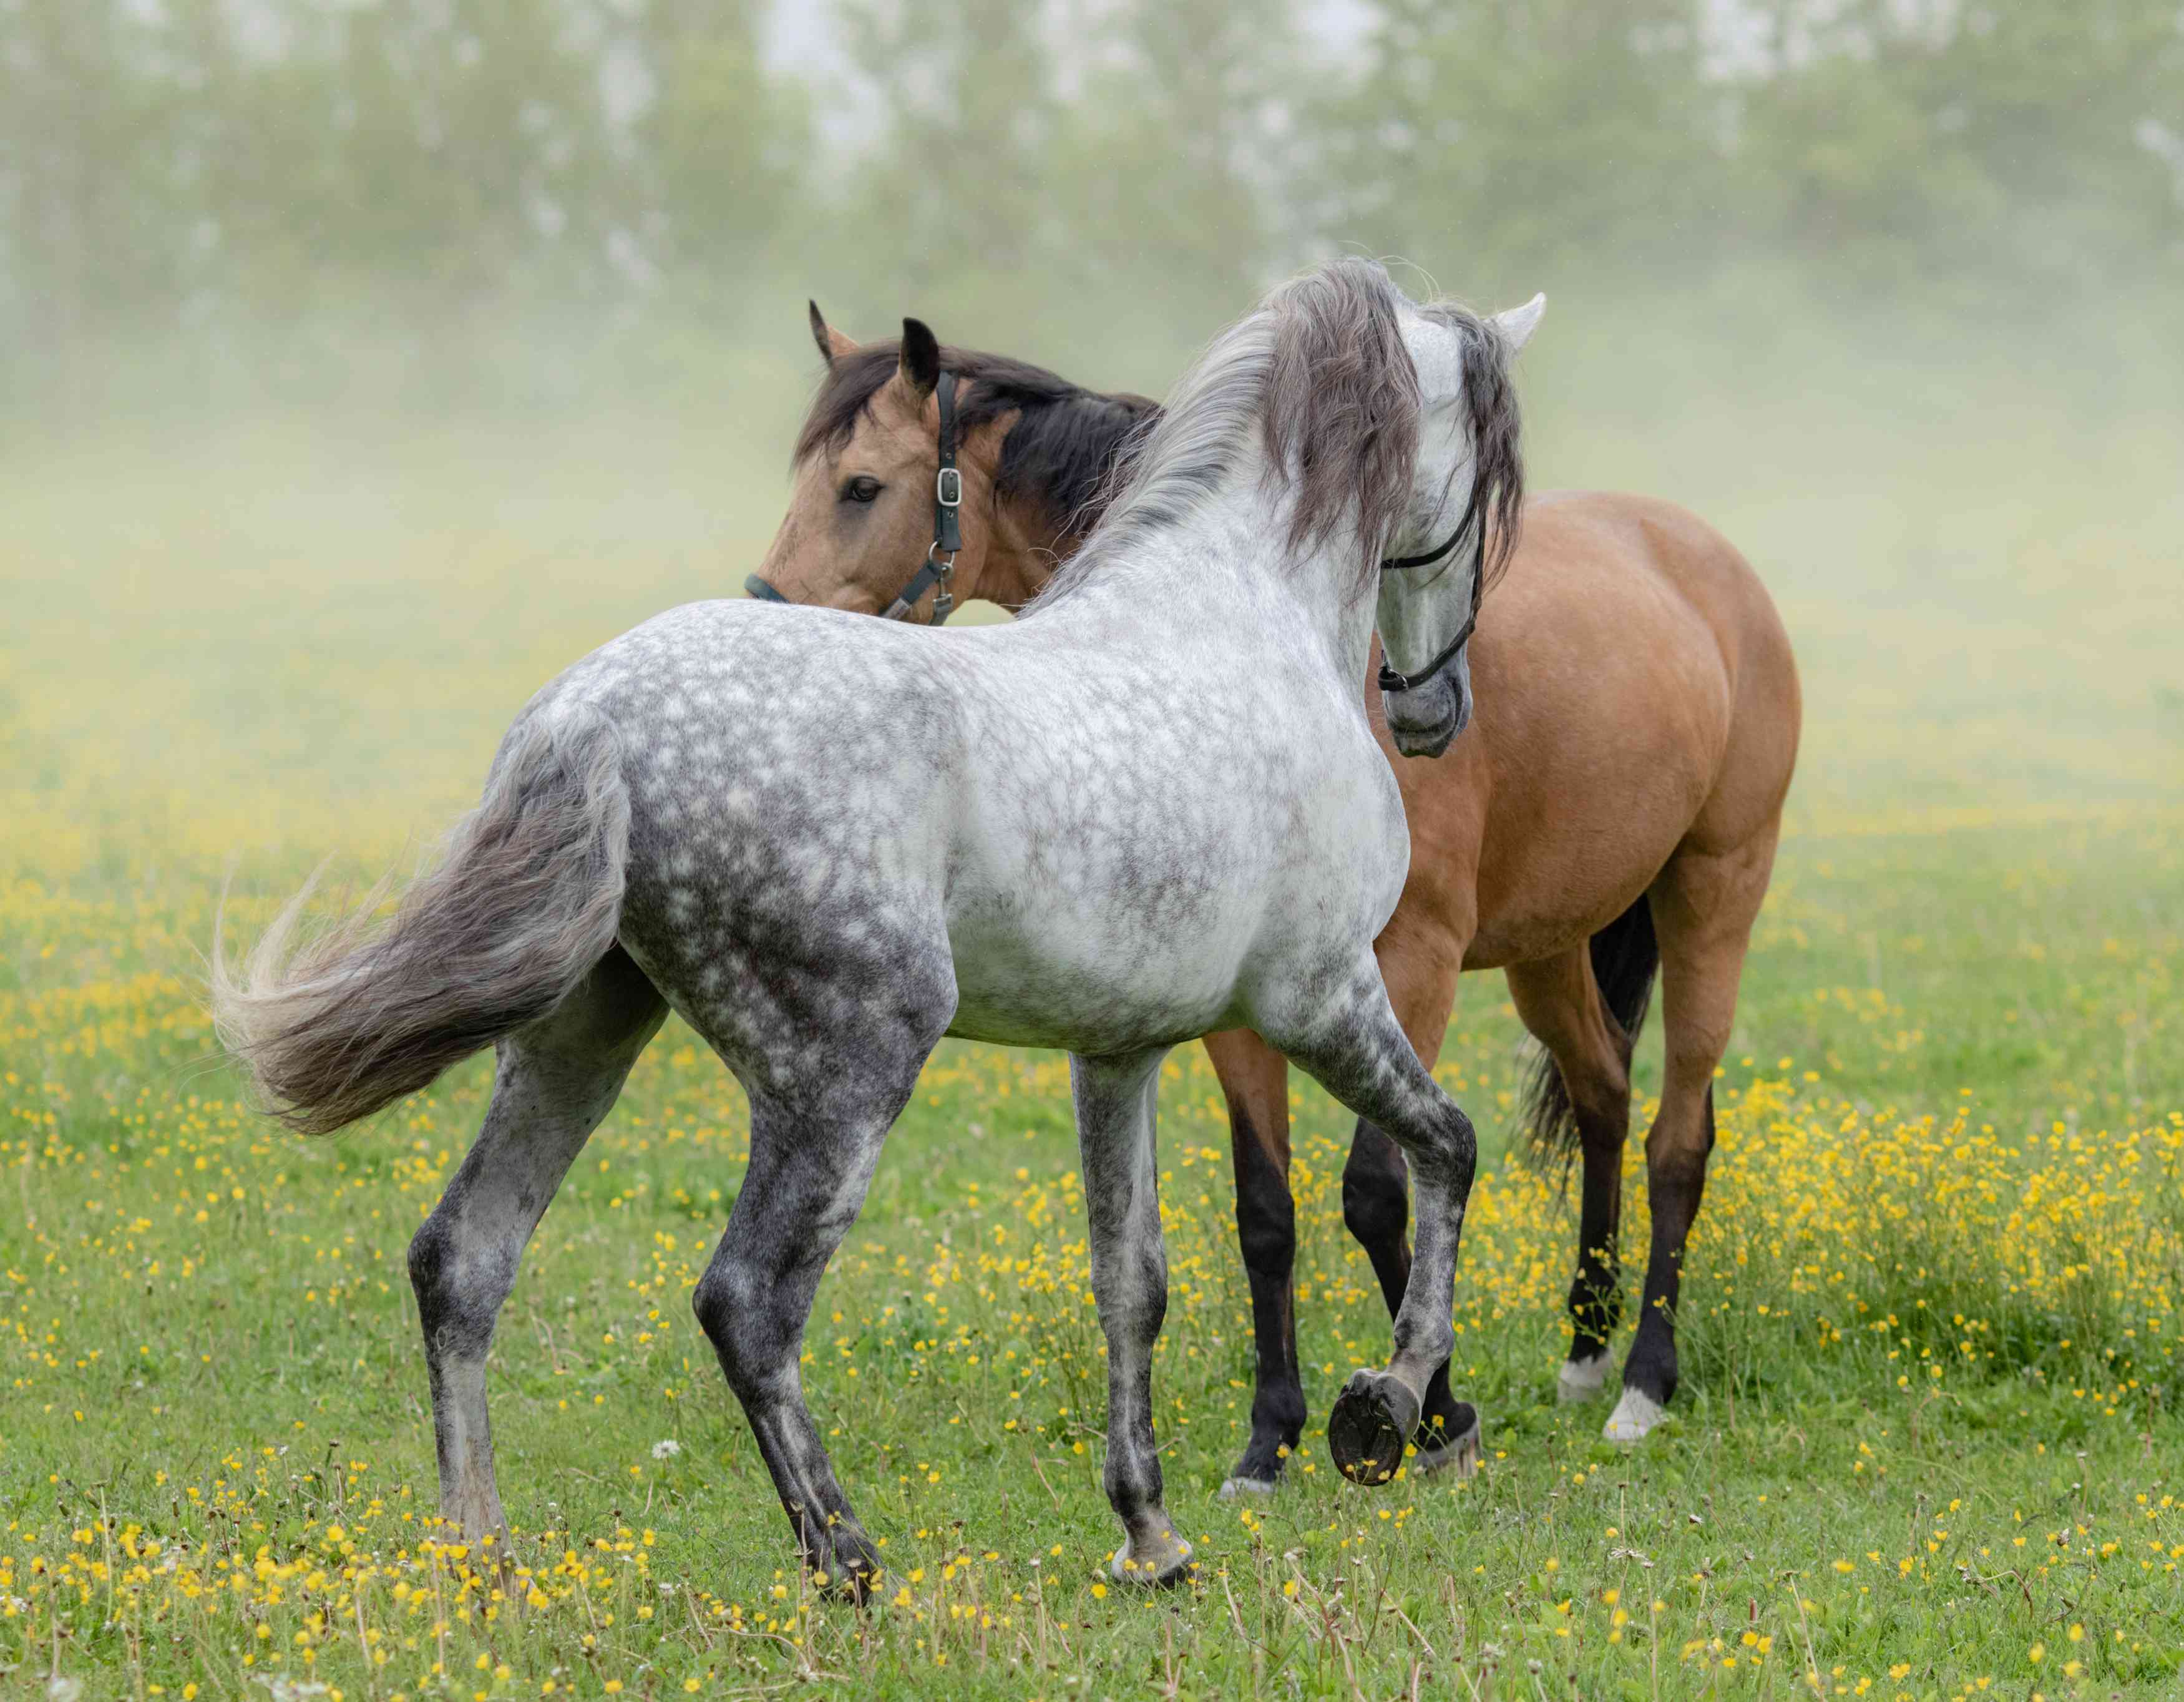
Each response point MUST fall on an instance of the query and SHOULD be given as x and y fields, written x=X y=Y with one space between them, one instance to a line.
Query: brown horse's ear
x=833 y=345
x=921 y=358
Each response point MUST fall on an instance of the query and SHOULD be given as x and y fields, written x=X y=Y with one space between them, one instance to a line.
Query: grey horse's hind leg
x=810 y=1167
x=1356 y=1049
x=556 y=1081
x=1115 y=1131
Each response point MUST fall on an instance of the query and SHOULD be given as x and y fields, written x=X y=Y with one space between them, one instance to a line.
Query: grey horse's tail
x=525 y=903
x=1625 y=958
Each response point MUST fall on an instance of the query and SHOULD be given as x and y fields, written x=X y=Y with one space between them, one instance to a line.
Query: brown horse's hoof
x=1373 y=1419
x=1635 y=1417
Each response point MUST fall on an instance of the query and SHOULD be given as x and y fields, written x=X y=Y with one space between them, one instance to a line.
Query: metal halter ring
x=943 y=602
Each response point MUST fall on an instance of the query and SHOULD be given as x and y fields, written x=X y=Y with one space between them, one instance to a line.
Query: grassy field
x=1928 y=1446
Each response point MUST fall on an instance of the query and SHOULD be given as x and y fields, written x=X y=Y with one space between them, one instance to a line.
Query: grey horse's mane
x=1490 y=392
x=1318 y=373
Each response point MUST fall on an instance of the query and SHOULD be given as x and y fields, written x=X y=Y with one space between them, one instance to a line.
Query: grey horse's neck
x=1217 y=572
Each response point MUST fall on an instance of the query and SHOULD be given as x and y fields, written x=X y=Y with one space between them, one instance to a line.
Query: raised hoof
x=1235 y=1486
x=1373 y=1419
x=1458 y=1454
x=1580 y=1380
x=1159 y=1560
x=1634 y=1416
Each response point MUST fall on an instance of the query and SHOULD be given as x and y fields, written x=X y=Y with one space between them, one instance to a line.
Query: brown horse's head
x=1033 y=450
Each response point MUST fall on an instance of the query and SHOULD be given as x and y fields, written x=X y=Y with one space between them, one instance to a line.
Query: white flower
x=667 y=1448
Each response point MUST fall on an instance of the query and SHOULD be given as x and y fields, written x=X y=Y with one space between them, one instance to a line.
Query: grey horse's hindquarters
x=525 y=904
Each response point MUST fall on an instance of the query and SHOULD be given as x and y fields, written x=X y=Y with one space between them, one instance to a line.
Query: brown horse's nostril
x=756 y=587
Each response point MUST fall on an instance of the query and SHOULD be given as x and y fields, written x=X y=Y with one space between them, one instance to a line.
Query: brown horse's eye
x=861 y=490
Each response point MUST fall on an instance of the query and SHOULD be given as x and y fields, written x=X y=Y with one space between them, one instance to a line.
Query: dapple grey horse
x=1152 y=809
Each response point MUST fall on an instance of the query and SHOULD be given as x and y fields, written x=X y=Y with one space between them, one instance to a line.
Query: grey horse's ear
x=1515 y=326
x=921 y=357
x=833 y=344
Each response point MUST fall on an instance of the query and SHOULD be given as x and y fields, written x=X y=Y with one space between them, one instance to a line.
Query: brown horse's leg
x=1561 y=1006
x=1420 y=970
x=1255 y=1077
x=1704 y=903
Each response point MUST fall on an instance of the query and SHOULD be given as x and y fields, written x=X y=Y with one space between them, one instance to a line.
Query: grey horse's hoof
x=1373 y=1419
x=848 y=1569
x=1162 y=1559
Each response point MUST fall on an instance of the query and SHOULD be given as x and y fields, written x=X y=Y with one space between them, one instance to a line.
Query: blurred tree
x=1998 y=151
x=469 y=150
x=1502 y=145
x=89 y=189
x=724 y=149
x=1166 y=164
x=945 y=187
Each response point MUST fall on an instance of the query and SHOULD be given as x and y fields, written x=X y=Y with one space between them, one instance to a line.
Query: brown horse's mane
x=1057 y=453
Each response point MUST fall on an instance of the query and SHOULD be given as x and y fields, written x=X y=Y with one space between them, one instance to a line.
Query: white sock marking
x=1580 y=1380
x=1634 y=1415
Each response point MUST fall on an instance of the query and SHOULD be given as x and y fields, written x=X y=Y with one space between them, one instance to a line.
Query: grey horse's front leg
x=1115 y=1129
x=1356 y=1049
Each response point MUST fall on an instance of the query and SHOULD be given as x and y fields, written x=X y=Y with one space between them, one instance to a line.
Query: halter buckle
x=948 y=488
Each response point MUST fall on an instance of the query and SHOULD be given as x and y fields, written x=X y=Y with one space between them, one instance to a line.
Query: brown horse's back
x=1635 y=689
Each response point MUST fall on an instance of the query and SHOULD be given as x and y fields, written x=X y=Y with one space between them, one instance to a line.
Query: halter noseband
x=947 y=534
x=1473 y=520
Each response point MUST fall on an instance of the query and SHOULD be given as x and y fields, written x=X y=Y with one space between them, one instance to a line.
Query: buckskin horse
x=1152 y=809
x=1613 y=813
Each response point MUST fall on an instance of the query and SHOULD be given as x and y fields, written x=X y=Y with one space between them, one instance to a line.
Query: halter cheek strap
x=947 y=530
x=1472 y=522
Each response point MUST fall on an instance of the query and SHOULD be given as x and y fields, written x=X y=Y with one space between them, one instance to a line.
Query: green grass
x=1938 y=1449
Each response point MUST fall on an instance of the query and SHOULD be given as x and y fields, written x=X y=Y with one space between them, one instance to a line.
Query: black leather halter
x=1472 y=522
x=947 y=533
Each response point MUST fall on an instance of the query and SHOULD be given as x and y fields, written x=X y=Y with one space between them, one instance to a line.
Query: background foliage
x=498 y=200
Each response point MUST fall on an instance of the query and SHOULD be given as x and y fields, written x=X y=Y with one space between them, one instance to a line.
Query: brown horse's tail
x=524 y=904
x=1625 y=958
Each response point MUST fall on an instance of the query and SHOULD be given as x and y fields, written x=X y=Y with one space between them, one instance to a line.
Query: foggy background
x=363 y=362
